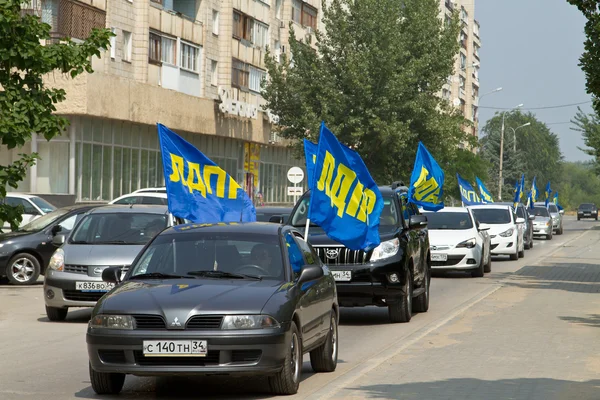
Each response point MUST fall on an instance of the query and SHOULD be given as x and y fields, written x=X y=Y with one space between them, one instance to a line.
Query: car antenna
x=131 y=206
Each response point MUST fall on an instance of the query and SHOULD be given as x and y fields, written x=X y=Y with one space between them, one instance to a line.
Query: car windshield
x=492 y=215
x=264 y=216
x=449 y=220
x=389 y=215
x=521 y=212
x=552 y=208
x=118 y=228
x=586 y=206
x=540 y=212
x=213 y=255
x=42 y=222
x=42 y=204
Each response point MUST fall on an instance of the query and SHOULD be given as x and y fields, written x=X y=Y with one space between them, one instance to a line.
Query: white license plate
x=342 y=276
x=94 y=286
x=175 y=348
x=439 y=257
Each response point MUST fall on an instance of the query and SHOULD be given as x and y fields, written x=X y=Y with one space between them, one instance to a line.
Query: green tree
x=589 y=127
x=26 y=104
x=537 y=152
x=375 y=80
x=579 y=184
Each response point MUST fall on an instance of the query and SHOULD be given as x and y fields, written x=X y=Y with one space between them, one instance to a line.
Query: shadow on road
x=364 y=316
x=590 y=320
x=577 y=278
x=476 y=389
x=76 y=316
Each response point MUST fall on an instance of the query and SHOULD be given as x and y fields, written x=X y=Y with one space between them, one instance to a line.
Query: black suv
x=587 y=210
x=396 y=274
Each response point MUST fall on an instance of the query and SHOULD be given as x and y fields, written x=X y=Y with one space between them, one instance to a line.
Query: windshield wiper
x=157 y=275
x=222 y=274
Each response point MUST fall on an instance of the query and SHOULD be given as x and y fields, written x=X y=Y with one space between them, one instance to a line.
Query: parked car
x=142 y=198
x=25 y=253
x=152 y=190
x=527 y=227
x=542 y=226
x=33 y=206
x=273 y=214
x=106 y=236
x=557 y=216
x=395 y=275
x=504 y=231
x=587 y=210
x=222 y=299
x=458 y=242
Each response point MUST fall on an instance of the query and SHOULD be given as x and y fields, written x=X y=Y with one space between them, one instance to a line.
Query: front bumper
x=587 y=215
x=63 y=288
x=505 y=245
x=542 y=230
x=232 y=353
x=457 y=259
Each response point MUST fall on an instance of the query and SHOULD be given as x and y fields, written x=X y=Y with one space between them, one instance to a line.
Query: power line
x=557 y=123
x=539 y=108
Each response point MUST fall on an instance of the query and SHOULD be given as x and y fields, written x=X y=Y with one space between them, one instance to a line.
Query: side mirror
x=531 y=217
x=308 y=273
x=277 y=219
x=561 y=212
x=58 y=240
x=483 y=227
x=56 y=229
x=417 y=221
x=112 y=275
x=520 y=220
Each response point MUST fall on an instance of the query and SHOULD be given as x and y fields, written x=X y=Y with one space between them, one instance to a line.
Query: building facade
x=194 y=66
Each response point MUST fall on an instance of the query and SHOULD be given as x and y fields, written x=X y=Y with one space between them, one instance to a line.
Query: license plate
x=439 y=257
x=342 y=276
x=175 y=348
x=94 y=286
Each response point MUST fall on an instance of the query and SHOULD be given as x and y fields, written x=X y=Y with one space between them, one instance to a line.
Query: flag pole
x=306 y=229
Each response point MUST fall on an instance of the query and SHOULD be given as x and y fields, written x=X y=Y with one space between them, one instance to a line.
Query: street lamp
x=502 y=152
x=493 y=91
x=515 y=134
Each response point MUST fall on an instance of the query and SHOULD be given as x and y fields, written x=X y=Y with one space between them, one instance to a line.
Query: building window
x=260 y=34
x=256 y=77
x=126 y=46
x=154 y=53
x=213 y=73
x=215 y=20
x=278 y=9
x=239 y=74
x=189 y=57
x=113 y=43
x=462 y=82
x=238 y=25
x=297 y=11
x=168 y=50
x=157 y=1
x=277 y=51
x=463 y=61
x=309 y=16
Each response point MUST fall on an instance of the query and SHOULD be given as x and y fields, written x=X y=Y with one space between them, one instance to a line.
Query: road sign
x=294 y=191
x=295 y=175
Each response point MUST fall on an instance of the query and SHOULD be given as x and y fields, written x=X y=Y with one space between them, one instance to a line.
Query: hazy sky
x=531 y=49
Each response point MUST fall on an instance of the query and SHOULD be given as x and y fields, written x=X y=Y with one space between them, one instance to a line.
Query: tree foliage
x=374 y=79
x=537 y=152
x=589 y=127
x=578 y=184
x=26 y=104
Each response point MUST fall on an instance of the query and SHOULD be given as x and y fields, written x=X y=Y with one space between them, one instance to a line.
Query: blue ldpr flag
x=197 y=189
x=345 y=200
x=548 y=193
x=310 y=153
x=518 y=194
x=484 y=193
x=534 y=190
x=522 y=188
x=426 y=181
x=467 y=193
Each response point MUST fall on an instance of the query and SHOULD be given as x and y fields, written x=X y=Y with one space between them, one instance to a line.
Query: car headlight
x=469 y=244
x=386 y=249
x=548 y=223
x=508 y=233
x=57 y=261
x=108 y=321
x=249 y=322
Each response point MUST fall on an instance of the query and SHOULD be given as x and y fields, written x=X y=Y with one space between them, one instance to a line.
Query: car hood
x=496 y=229
x=4 y=237
x=450 y=237
x=181 y=298
x=317 y=237
x=100 y=255
x=541 y=220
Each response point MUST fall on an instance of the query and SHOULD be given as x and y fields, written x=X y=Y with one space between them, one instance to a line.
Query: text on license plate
x=342 y=276
x=94 y=286
x=179 y=348
x=439 y=257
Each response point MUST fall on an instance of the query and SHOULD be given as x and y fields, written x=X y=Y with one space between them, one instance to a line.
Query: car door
x=409 y=238
x=30 y=211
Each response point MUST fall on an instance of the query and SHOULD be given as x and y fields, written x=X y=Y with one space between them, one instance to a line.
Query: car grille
x=211 y=358
x=340 y=255
x=452 y=260
x=149 y=322
x=76 y=295
x=76 y=269
x=494 y=246
x=205 y=322
x=112 y=356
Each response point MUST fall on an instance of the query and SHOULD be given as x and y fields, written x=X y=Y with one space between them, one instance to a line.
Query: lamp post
x=493 y=91
x=515 y=135
x=502 y=153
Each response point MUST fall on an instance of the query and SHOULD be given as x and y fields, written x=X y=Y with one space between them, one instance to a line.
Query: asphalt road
x=45 y=360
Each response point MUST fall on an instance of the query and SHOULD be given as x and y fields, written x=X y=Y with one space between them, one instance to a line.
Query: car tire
x=522 y=253
x=56 y=314
x=106 y=383
x=531 y=244
x=580 y=218
x=479 y=271
x=287 y=381
x=23 y=269
x=549 y=236
x=401 y=309
x=324 y=358
x=514 y=256
x=488 y=266
x=421 y=303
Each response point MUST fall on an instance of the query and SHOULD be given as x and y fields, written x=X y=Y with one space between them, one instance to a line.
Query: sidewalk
x=537 y=337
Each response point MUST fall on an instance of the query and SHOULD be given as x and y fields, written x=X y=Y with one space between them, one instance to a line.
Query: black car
x=587 y=210
x=273 y=214
x=227 y=299
x=25 y=253
x=523 y=212
x=396 y=274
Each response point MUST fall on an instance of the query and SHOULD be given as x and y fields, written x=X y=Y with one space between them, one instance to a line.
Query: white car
x=506 y=230
x=142 y=198
x=152 y=190
x=458 y=242
x=34 y=207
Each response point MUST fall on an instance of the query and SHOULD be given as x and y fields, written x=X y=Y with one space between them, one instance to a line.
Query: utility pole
x=502 y=153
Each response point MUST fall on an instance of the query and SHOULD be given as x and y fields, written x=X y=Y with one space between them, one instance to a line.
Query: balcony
x=476 y=29
x=449 y=5
x=67 y=18
x=183 y=8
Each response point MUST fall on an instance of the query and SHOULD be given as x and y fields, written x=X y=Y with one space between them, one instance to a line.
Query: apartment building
x=193 y=65
x=462 y=88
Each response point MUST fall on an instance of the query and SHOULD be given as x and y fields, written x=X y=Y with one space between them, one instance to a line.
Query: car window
x=405 y=211
x=492 y=216
x=43 y=221
x=118 y=228
x=42 y=204
x=521 y=212
x=552 y=207
x=130 y=200
x=540 y=212
x=27 y=206
x=153 y=200
x=69 y=223
x=310 y=256
x=449 y=220
x=294 y=253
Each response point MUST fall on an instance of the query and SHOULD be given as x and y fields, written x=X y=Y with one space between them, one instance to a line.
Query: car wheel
x=287 y=380
x=23 y=269
x=522 y=253
x=549 y=236
x=106 y=383
x=488 y=266
x=56 y=314
x=479 y=271
x=514 y=256
x=401 y=309
x=531 y=244
x=580 y=218
x=324 y=358
x=421 y=303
